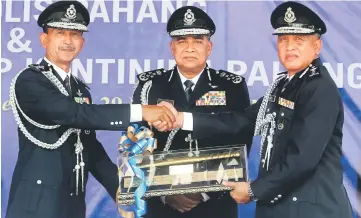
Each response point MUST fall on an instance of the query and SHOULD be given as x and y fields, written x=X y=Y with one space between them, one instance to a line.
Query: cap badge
x=290 y=16
x=71 y=12
x=189 y=17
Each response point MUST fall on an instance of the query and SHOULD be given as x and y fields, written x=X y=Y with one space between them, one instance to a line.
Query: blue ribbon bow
x=136 y=140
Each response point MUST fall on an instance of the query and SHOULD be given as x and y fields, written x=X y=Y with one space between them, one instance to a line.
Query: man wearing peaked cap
x=296 y=19
x=70 y=15
x=300 y=122
x=190 y=20
x=57 y=141
x=195 y=87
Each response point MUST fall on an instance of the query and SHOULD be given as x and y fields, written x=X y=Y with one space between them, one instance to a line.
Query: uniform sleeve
x=137 y=100
x=101 y=166
x=36 y=95
x=206 y=125
x=242 y=102
x=312 y=128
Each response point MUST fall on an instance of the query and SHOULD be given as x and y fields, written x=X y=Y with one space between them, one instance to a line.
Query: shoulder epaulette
x=312 y=72
x=229 y=76
x=38 y=67
x=150 y=75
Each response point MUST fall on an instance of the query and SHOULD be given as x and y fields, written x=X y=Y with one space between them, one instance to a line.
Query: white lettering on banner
x=40 y=6
x=85 y=72
x=147 y=6
x=121 y=67
x=26 y=11
x=129 y=10
x=105 y=68
x=237 y=67
x=9 y=12
x=125 y=71
x=240 y=68
x=160 y=63
x=135 y=69
x=132 y=69
x=258 y=73
x=353 y=74
x=15 y=44
x=335 y=75
x=104 y=10
x=103 y=13
x=167 y=9
x=6 y=65
x=171 y=63
x=352 y=77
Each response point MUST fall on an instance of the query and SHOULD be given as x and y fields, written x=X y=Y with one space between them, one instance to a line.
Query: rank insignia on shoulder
x=212 y=98
x=229 y=76
x=38 y=67
x=145 y=76
x=313 y=71
x=82 y=100
x=286 y=103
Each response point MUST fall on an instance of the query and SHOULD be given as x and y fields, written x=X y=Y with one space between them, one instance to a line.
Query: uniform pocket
x=303 y=201
x=34 y=199
x=307 y=210
x=25 y=200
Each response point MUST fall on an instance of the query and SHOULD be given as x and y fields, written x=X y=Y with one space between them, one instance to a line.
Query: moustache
x=67 y=48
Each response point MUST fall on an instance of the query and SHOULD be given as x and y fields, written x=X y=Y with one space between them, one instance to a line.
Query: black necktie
x=67 y=84
x=188 y=90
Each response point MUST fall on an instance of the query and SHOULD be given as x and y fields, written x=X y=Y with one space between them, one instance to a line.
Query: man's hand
x=240 y=191
x=183 y=203
x=161 y=126
x=153 y=113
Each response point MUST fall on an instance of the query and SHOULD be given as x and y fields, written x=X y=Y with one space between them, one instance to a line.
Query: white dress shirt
x=189 y=124
x=194 y=79
x=135 y=109
x=290 y=77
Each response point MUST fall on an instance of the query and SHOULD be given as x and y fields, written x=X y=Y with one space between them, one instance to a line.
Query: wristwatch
x=251 y=194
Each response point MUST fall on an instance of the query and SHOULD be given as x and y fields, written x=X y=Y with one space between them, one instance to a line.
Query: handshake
x=164 y=117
